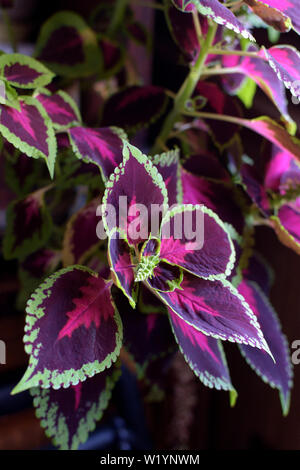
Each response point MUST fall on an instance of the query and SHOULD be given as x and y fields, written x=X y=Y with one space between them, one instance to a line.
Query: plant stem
x=117 y=17
x=10 y=30
x=185 y=91
x=217 y=117
x=220 y=71
x=217 y=51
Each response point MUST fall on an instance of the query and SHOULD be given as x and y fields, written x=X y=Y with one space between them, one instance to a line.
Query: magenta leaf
x=203 y=353
x=113 y=56
x=72 y=331
x=184 y=33
x=68 y=46
x=214 y=195
x=61 y=109
x=216 y=11
x=279 y=373
x=137 y=192
x=216 y=309
x=30 y=130
x=168 y=166
x=287 y=226
x=135 y=107
x=275 y=133
x=100 y=146
x=121 y=260
x=271 y=16
x=285 y=61
x=263 y=75
x=289 y=8
x=24 y=72
x=69 y=415
x=194 y=238
x=253 y=184
x=29 y=226
x=223 y=133
x=80 y=238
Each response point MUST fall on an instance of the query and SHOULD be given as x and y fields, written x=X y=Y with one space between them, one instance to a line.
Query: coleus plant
x=99 y=291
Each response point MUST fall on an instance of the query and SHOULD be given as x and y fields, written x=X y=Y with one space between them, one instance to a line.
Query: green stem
x=216 y=51
x=185 y=91
x=10 y=30
x=220 y=71
x=216 y=117
x=117 y=18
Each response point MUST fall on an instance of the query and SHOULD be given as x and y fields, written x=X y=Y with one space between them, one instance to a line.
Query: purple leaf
x=122 y=265
x=290 y=8
x=61 y=109
x=40 y=263
x=24 y=72
x=217 y=12
x=113 y=57
x=285 y=61
x=68 y=46
x=222 y=133
x=271 y=16
x=136 y=191
x=279 y=373
x=72 y=331
x=204 y=354
x=216 y=196
x=194 y=238
x=101 y=146
x=69 y=415
x=260 y=272
x=80 y=238
x=29 y=226
x=287 y=226
x=184 y=33
x=216 y=309
x=30 y=130
x=135 y=107
x=263 y=75
x=165 y=278
x=254 y=187
x=146 y=336
x=275 y=133
x=168 y=166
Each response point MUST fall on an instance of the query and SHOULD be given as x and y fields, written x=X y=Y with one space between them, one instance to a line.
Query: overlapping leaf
x=24 y=72
x=279 y=373
x=80 y=238
x=216 y=309
x=28 y=226
x=61 y=109
x=136 y=191
x=68 y=46
x=204 y=354
x=100 y=146
x=217 y=12
x=289 y=8
x=69 y=415
x=72 y=331
x=30 y=130
x=135 y=107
